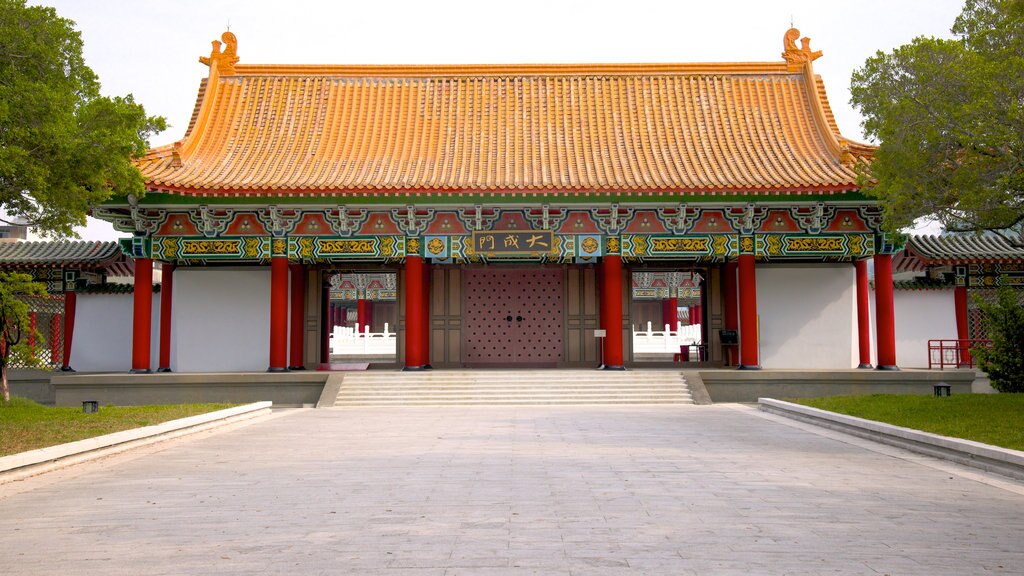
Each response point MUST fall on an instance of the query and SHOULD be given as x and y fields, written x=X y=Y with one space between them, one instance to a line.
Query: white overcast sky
x=151 y=48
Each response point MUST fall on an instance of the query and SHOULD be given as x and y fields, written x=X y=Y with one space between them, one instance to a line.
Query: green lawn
x=25 y=425
x=996 y=419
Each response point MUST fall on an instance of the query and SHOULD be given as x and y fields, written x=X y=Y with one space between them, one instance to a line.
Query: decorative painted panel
x=990 y=275
x=330 y=249
x=767 y=246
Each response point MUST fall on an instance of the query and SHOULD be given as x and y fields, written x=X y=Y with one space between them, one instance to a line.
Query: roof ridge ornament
x=225 y=60
x=796 y=56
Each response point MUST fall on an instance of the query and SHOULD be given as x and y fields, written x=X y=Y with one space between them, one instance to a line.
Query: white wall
x=922 y=315
x=221 y=320
x=807 y=316
x=102 y=341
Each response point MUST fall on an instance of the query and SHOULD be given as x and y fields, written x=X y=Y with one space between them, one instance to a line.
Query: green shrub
x=1004 y=323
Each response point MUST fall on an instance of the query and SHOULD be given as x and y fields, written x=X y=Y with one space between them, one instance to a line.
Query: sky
x=150 y=48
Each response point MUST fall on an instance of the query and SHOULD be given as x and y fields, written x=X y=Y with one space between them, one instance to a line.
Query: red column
x=960 y=304
x=611 y=300
x=863 y=314
x=166 y=290
x=69 y=328
x=748 y=313
x=885 y=315
x=415 y=314
x=426 y=316
x=278 y=314
x=142 y=315
x=698 y=314
x=297 y=348
x=730 y=312
x=361 y=315
x=670 y=314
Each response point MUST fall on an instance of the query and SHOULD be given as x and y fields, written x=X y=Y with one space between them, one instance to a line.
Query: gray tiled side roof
x=922 y=284
x=57 y=253
x=963 y=249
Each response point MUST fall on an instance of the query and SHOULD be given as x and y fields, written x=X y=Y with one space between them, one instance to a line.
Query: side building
x=512 y=215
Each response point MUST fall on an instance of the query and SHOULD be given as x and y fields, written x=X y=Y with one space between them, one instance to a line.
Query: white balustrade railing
x=665 y=341
x=346 y=341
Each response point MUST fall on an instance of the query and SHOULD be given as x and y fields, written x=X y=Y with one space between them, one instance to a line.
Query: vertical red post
x=142 y=315
x=748 y=313
x=361 y=320
x=297 y=347
x=730 y=311
x=863 y=315
x=611 y=305
x=278 y=314
x=670 y=314
x=69 y=328
x=962 y=333
x=415 y=314
x=885 y=314
x=698 y=314
x=426 y=316
x=166 y=292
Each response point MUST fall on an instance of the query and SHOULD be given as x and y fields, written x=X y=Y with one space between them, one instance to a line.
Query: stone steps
x=512 y=387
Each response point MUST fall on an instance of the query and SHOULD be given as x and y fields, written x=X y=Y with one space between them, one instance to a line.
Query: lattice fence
x=976 y=328
x=46 y=315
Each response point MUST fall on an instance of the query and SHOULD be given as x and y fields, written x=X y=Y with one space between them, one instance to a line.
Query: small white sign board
x=600 y=333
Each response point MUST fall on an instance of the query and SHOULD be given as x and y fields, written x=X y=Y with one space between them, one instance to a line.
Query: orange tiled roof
x=701 y=128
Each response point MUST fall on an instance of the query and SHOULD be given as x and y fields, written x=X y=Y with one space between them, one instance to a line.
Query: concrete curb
x=19 y=466
x=969 y=453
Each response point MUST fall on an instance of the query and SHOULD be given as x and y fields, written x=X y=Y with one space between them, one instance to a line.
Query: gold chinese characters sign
x=513 y=242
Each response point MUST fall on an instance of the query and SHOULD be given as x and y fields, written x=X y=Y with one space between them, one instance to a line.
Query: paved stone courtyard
x=529 y=490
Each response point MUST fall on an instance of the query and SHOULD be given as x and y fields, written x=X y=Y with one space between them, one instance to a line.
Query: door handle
x=518 y=318
x=508 y=318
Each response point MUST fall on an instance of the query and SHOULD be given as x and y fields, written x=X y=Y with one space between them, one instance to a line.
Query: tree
x=1004 y=323
x=63 y=147
x=949 y=114
x=15 y=287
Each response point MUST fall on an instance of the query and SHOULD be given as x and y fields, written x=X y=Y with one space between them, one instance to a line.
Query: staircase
x=512 y=387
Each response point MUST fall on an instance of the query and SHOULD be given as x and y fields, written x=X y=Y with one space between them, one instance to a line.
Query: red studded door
x=513 y=316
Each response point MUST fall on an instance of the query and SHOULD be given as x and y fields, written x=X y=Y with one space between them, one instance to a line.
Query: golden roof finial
x=225 y=60
x=797 y=56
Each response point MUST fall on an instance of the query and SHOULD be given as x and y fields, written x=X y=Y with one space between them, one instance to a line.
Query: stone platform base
x=282 y=388
x=749 y=385
x=304 y=388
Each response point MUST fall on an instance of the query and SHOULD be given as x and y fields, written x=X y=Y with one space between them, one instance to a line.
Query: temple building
x=509 y=215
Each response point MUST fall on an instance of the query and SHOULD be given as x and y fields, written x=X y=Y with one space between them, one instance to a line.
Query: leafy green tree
x=63 y=147
x=949 y=114
x=1004 y=323
x=15 y=288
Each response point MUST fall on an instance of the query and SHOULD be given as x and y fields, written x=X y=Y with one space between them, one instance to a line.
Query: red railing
x=953 y=353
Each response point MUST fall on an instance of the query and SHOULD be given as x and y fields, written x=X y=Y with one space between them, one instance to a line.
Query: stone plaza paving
x=719 y=489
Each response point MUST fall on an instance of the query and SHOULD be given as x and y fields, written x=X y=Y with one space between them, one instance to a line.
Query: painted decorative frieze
x=558 y=234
